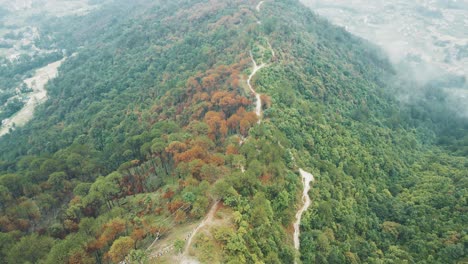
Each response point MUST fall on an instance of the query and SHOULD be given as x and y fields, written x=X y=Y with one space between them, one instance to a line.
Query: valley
x=427 y=40
x=430 y=34
x=37 y=84
x=20 y=22
x=26 y=47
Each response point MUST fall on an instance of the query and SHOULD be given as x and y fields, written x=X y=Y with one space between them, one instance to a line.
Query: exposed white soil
x=307 y=178
x=39 y=95
x=258 y=103
x=259 y=5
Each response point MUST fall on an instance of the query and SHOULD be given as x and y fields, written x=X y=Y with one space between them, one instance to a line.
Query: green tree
x=179 y=245
x=121 y=248
x=138 y=257
x=30 y=249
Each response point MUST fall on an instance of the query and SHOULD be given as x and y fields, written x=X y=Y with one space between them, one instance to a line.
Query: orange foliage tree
x=217 y=123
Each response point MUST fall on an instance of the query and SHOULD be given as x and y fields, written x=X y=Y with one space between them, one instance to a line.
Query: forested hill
x=152 y=123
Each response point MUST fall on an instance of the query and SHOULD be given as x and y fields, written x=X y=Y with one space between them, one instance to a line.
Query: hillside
x=180 y=130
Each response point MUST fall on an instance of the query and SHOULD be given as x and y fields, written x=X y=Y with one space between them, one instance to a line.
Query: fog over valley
x=426 y=40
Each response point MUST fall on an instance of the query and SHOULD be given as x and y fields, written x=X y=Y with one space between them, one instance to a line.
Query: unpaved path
x=184 y=258
x=256 y=68
x=307 y=178
x=258 y=104
x=259 y=5
x=207 y=221
x=38 y=96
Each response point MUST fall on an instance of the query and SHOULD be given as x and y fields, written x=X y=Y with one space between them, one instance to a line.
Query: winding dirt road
x=307 y=178
x=258 y=104
x=208 y=220
x=37 y=83
x=259 y=5
x=184 y=258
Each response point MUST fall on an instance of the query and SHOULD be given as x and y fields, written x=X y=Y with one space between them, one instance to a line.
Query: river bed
x=39 y=95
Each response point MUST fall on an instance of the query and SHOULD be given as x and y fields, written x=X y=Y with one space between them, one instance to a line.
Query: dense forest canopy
x=152 y=122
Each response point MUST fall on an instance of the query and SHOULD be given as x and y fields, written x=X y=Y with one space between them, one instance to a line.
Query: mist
x=426 y=41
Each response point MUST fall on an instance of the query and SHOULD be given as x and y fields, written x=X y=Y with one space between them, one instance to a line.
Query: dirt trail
x=39 y=95
x=207 y=221
x=259 y=5
x=307 y=178
x=258 y=104
x=187 y=260
x=256 y=68
x=184 y=258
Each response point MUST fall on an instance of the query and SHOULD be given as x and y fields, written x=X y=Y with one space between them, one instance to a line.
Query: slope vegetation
x=154 y=121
